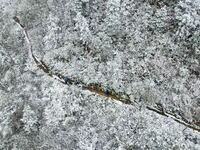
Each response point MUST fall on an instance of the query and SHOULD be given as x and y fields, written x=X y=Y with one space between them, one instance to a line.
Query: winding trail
x=98 y=88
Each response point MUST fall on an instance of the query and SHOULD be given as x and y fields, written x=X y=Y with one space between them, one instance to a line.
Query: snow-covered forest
x=99 y=74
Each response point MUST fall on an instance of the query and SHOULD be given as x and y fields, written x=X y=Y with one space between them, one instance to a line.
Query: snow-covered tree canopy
x=127 y=74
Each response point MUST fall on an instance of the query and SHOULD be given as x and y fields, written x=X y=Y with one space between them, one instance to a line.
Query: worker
x=107 y=92
x=67 y=80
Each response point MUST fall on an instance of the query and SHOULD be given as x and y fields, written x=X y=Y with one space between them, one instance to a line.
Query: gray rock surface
x=149 y=49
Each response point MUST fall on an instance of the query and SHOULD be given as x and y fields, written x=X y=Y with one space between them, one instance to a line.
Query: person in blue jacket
x=107 y=92
x=67 y=80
